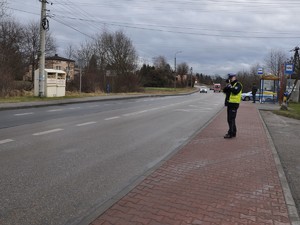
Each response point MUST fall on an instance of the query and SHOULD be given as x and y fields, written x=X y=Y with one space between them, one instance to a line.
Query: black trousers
x=254 y=97
x=231 y=115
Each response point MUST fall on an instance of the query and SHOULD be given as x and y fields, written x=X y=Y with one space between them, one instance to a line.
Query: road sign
x=289 y=68
x=260 y=71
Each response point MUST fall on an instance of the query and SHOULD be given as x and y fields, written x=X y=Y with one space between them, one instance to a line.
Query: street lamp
x=80 y=63
x=175 y=65
x=191 y=75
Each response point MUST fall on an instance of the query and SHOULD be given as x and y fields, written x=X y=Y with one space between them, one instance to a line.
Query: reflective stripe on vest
x=235 y=98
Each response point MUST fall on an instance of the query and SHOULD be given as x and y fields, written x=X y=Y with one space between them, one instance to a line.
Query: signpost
x=289 y=69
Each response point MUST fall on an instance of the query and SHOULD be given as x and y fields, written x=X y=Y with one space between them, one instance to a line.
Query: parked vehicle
x=217 y=88
x=267 y=96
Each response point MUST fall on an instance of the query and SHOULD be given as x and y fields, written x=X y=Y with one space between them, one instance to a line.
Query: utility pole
x=191 y=76
x=43 y=28
x=175 y=67
x=296 y=70
x=80 y=74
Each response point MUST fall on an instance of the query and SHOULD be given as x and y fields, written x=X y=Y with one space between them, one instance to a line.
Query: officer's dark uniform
x=234 y=91
x=254 y=90
x=226 y=91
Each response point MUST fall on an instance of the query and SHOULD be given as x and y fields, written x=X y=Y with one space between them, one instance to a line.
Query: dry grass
x=28 y=96
x=292 y=112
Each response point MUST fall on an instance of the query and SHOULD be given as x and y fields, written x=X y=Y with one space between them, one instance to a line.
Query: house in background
x=58 y=63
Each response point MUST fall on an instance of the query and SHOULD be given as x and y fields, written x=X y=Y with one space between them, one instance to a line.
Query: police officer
x=234 y=91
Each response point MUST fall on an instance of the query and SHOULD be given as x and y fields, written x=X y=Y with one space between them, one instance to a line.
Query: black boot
x=228 y=136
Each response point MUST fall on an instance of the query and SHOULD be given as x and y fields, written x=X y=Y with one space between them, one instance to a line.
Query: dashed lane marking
x=112 y=118
x=74 y=108
x=84 y=124
x=55 y=110
x=5 y=141
x=47 y=132
x=23 y=114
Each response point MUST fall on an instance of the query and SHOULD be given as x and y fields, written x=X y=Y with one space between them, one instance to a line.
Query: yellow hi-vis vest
x=235 y=98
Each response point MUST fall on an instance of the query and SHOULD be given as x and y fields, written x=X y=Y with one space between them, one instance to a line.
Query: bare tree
x=31 y=40
x=3 y=9
x=121 y=57
x=69 y=51
x=160 y=62
x=274 y=60
x=111 y=51
x=84 y=54
x=10 y=56
x=182 y=69
x=83 y=57
x=69 y=54
x=101 y=50
x=119 y=52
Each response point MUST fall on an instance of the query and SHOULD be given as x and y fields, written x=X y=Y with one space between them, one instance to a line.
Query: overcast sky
x=214 y=36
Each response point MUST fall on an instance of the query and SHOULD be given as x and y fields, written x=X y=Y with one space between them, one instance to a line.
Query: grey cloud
x=215 y=37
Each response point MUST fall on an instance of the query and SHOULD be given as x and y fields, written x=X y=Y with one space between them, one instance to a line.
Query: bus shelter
x=269 y=92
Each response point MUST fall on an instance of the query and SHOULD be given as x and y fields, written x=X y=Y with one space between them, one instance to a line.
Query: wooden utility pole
x=43 y=28
x=296 y=70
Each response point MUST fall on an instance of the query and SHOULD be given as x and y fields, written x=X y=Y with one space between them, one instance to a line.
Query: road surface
x=60 y=163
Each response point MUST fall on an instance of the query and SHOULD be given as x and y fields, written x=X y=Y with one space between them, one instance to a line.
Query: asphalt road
x=58 y=164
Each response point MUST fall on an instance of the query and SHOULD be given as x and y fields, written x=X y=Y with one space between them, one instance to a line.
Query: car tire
x=247 y=98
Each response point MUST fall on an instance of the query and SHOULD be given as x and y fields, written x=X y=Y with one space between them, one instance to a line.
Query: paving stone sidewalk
x=210 y=181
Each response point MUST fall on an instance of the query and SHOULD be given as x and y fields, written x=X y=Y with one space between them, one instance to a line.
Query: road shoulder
x=283 y=134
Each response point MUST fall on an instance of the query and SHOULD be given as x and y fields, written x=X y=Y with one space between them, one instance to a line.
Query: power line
x=79 y=11
x=164 y=30
x=67 y=25
x=184 y=32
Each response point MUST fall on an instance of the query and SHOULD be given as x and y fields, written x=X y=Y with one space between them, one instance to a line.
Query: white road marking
x=87 y=123
x=182 y=110
x=153 y=109
x=112 y=118
x=5 y=141
x=23 y=114
x=55 y=110
x=48 y=132
x=192 y=110
x=75 y=108
x=135 y=113
x=93 y=106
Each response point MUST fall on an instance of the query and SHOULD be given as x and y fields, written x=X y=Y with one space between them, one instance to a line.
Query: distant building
x=58 y=63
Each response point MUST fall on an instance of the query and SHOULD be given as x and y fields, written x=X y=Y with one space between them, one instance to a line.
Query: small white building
x=54 y=83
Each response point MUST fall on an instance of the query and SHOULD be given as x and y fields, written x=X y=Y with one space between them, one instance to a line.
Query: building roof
x=58 y=58
x=269 y=77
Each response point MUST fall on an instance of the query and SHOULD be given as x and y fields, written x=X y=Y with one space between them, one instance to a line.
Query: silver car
x=265 y=97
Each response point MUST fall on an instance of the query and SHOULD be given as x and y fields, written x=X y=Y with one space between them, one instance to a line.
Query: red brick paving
x=210 y=181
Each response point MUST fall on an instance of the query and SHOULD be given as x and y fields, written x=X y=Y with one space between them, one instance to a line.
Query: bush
x=6 y=83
